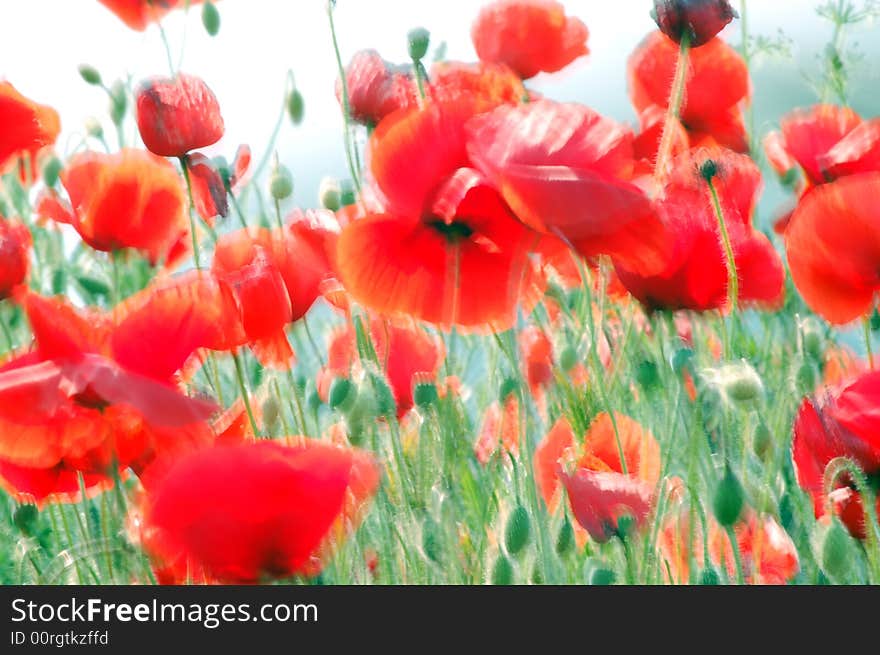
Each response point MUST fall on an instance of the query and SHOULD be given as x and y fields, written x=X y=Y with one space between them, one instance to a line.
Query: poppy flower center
x=454 y=232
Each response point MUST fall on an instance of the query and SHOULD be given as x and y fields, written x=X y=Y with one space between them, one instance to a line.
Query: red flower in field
x=563 y=169
x=26 y=128
x=537 y=353
x=842 y=423
x=857 y=152
x=178 y=115
x=210 y=182
x=138 y=14
x=500 y=428
x=768 y=554
x=835 y=218
x=841 y=366
x=58 y=484
x=598 y=489
x=718 y=81
x=376 y=88
x=131 y=199
x=488 y=85
x=15 y=242
x=695 y=276
x=529 y=36
x=806 y=138
x=404 y=352
x=447 y=249
x=700 y=20
x=244 y=513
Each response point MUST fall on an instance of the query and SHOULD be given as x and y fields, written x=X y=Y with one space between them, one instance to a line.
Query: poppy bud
x=383 y=396
x=568 y=358
x=330 y=194
x=805 y=378
x=682 y=359
x=93 y=128
x=602 y=576
x=812 y=336
x=15 y=240
x=740 y=382
x=762 y=440
x=518 y=530
x=647 y=374
x=729 y=499
x=210 y=18
x=698 y=20
x=537 y=574
x=565 y=538
x=418 y=39
x=502 y=571
x=709 y=577
x=90 y=75
x=626 y=525
x=314 y=400
x=836 y=552
x=281 y=183
x=295 y=107
x=118 y=102
x=51 y=171
x=343 y=394
x=347 y=195
x=25 y=518
x=431 y=540
x=271 y=413
x=425 y=394
x=508 y=386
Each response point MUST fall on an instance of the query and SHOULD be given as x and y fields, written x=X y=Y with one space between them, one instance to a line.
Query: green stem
x=192 y=219
x=866 y=323
x=732 y=277
x=676 y=97
x=239 y=374
x=737 y=556
x=346 y=103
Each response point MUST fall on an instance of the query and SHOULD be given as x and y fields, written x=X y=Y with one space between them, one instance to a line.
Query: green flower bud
x=51 y=171
x=709 y=577
x=418 y=39
x=502 y=571
x=602 y=576
x=271 y=413
x=741 y=382
x=296 y=106
x=330 y=194
x=508 y=386
x=518 y=530
x=425 y=394
x=25 y=518
x=347 y=195
x=565 y=539
x=682 y=359
x=90 y=75
x=343 y=394
x=385 y=404
x=210 y=18
x=836 y=552
x=762 y=441
x=281 y=183
x=118 y=102
x=93 y=128
x=813 y=337
x=568 y=358
x=647 y=374
x=314 y=400
x=806 y=378
x=537 y=574
x=729 y=499
x=432 y=540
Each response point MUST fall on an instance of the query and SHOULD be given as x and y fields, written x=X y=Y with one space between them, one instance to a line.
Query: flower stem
x=676 y=98
x=866 y=323
x=239 y=374
x=346 y=104
x=732 y=277
x=192 y=220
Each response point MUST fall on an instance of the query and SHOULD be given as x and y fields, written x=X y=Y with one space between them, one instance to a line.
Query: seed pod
x=281 y=183
x=425 y=394
x=210 y=18
x=729 y=499
x=418 y=39
x=296 y=106
x=90 y=75
x=742 y=383
x=502 y=571
x=518 y=530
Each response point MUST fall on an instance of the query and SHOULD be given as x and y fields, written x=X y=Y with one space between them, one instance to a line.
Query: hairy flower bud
x=697 y=20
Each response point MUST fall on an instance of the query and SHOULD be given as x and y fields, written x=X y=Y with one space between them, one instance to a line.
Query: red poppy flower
x=26 y=128
x=700 y=20
x=15 y=242
x=446 y=235
x=243 y=513
x=563 y=169
x=835 y=218
x=209 y=187
x=404 y=352
x=695 y=276
x=841 y=366
x=857 y=152
x=376 y=88
x=176 y=116
x=537 y=352
x=56 y=484
x=487 y=85
x=718 y=81
x=138 y=14
x=529 y=36
x=598 y=489
x=842 y=423
x=807 y=136
x=130 y=199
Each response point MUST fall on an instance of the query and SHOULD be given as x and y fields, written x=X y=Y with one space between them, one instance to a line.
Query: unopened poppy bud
x=51 y=171
x=418 y=39
x=118 y=102
x=281 y=183
x=343 y=394
x=647 y=374
x=210 y=18
x=296 y=106
x=93 y=128
x=729 y=499
x=836 y=552
x=806 y=378
x=537 y=574
x=90 y=75
x=626 y=525
x=565 y=538
x=425 y=394
x=271 y=413
x=518 y=530
x=508 y=387
x=812 y=336
x=431 y=540
x=682 y=359
x=602 y=576
x=330 y=194
x=875 y=320
x=383 y=397
x=502 y=571
x=25 y=518
x=740 y=382
x=697 y=20
x=709 y=577
x=762 y=440
x=568 y=358
x=347 y=195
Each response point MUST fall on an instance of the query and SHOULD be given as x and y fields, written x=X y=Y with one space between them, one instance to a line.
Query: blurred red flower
x=840 y=217
x=131 y=199
x=376 y=88
x=695 y=275
x=178 y=115
x=529 y=36
x=841 y=423
x=700 y=20
x=487 y=85
x=138 y=14
x=26 y=129
x=247 y=512
x=15 y=243
x=564 y=171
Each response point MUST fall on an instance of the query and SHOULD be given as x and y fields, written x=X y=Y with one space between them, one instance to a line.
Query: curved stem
x=346 y=104
x=866 y=323
x=732 y=277
x=676 y=97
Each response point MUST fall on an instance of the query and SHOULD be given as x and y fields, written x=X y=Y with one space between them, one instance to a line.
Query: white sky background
x=42 y=42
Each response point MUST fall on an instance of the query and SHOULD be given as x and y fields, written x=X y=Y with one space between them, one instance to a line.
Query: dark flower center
x=454 y=232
